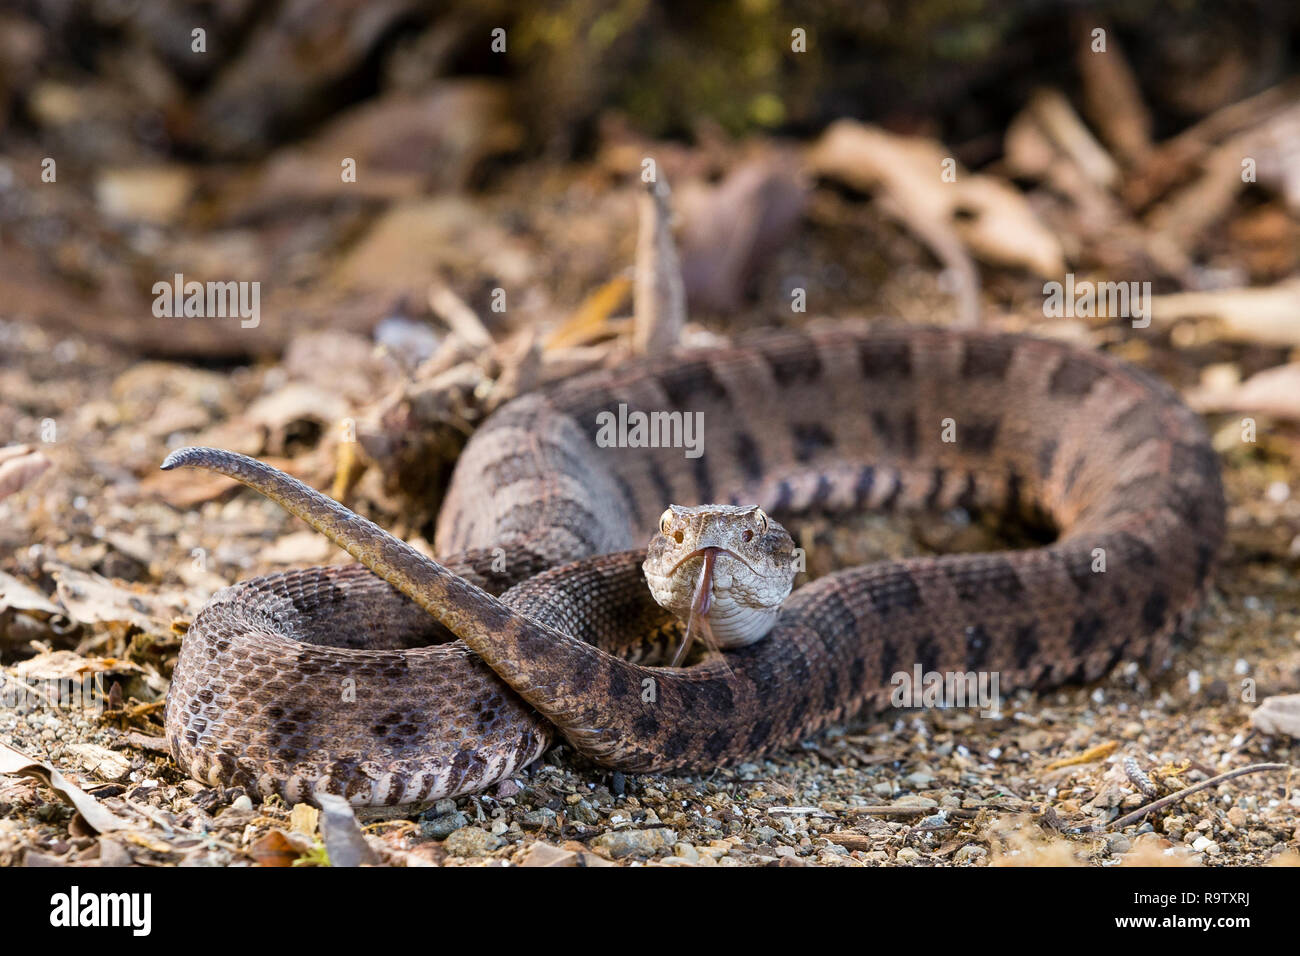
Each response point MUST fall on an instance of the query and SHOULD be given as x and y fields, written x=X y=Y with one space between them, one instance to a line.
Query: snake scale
x=415 y=682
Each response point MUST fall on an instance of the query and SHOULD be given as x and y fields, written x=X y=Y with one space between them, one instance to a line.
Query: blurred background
x=495 y=143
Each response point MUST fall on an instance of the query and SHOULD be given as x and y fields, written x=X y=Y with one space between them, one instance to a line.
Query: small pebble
x=439 y=828
x=621 y=843
x=470 y=841
x=687 y=852
x=541 y=817
x=970 y=853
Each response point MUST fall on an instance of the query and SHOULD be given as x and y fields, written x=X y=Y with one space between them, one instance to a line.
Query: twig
x=1173 y=798
x=463 y=320
x=888 y=811
x=961 y=813
x=148 y=742
x=801 y=811
x=658 y=296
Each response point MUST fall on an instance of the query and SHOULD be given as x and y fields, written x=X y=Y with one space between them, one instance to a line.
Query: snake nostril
x=678 y=537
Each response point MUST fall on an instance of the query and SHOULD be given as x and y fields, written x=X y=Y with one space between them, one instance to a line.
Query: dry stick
x=1163 y=802
x=888 y=811
x=148 y=742
x=658 y=295
x=961 y=813
x=463 y=320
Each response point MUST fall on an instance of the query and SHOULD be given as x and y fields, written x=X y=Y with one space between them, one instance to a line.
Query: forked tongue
x=701 y=604
x=702 y=601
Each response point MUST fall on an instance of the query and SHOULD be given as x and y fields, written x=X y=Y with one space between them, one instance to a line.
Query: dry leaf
x=342 y=834
x=1274 y=391
x=275 y=849
x=991 y=217
x=1278 y=715
x=20 y=596
x=95 y=816
x=1056 y=118
x=403 y=144
x=1099 y=752
x=1112 y=97
x=590 y=321
x=100 y=761
x=297 y=402
x=1184 y=218
x=20 y=465
x=1264 y=315
x=92 y=599
x=304 y=819
x=414 y=240
x=70 y=666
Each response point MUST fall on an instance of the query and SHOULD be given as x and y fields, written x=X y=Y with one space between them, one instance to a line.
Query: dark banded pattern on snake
x=313 y=681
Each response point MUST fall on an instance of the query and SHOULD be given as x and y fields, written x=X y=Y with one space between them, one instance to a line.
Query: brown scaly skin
x=837 y=419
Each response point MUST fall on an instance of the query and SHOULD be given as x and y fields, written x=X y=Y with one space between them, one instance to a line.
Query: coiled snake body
x=325 y=681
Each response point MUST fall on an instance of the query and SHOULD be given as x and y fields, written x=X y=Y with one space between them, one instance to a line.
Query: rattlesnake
x=314 y=681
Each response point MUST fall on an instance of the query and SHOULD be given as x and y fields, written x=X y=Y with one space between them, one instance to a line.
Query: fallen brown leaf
x=20 y=465
x=1091 y=755
x=99 y=819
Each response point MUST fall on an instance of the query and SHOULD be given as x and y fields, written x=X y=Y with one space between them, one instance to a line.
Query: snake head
x=731 y=564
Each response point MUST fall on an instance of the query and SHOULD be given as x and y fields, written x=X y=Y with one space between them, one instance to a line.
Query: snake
x=545 y=616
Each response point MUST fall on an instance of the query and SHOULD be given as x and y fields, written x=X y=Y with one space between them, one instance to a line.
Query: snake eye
x=666 y=521
x=761 y=515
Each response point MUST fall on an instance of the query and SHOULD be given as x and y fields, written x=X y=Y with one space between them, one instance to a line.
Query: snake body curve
x=339 y=680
